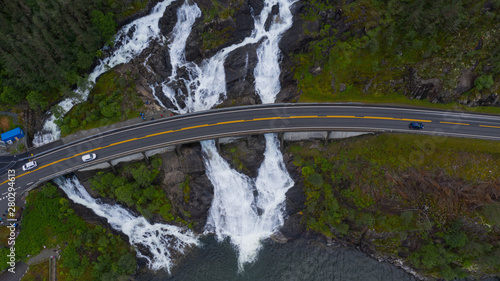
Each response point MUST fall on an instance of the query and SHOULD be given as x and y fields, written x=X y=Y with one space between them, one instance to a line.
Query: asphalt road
x=247 y=120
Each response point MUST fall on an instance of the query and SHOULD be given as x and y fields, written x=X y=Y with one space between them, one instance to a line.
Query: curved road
x=248 y=120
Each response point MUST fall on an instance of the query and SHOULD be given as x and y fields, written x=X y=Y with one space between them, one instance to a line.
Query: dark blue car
x=416 y=126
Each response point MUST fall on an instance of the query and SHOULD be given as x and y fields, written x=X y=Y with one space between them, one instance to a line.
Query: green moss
x=213 y=39
x=113 y=99
x=186 y=189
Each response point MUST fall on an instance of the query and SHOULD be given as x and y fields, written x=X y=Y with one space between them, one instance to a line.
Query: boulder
x=465 y=81
x=417 y=88
x=342 y=87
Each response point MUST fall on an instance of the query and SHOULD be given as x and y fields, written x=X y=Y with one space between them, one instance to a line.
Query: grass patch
x=424 y=199
x=37 y=272
x=131 y=9
x=113 y=99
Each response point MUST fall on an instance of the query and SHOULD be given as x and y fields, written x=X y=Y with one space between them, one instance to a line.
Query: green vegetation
x=385 y=38
x=37 y=272
x=47 y=46
x=91 y=252
x=136 y=185
x=212 y=35
x=186 y=188
x=427 y=200
x=113 y=99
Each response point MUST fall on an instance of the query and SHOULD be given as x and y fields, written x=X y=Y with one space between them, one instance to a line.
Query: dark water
x=298 y=260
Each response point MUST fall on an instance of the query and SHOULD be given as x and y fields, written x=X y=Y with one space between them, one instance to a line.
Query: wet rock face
x=167 y=22
x=256 y=6
x=239 y=68
x=245 y=155
x=196 y=200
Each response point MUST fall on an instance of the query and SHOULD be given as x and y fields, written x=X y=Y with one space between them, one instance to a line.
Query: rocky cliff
x=326 y=39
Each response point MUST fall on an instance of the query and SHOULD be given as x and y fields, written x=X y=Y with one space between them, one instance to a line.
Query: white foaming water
x=236 y=212
x=161 y=240
x=267 y=70
x=143 y=30
x=205 y=85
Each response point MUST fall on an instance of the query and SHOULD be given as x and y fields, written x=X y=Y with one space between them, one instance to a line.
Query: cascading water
x=161 y=240
x=236 y=213
x=143 y=31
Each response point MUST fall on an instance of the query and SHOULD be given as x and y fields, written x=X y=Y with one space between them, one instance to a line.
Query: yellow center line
x=382 y=118
x=416 y=120
x=157 y=134
x=452 y=123
x=267 y=118
x=340 y=116
x=231 y=122
x=209 y=125
x=497 y=127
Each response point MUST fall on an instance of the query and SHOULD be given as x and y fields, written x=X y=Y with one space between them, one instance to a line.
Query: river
x=301 y=259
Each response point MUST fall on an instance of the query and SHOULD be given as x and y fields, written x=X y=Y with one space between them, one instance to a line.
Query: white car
x=89 y=157
x=30 y=165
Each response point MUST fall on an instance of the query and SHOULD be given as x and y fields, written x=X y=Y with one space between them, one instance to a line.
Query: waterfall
x=143 y=31
x=161 y=240
x=244 y=210
x=229 y=211
x=236 y=213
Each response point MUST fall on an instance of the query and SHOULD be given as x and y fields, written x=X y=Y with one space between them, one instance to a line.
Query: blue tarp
x=12 y=135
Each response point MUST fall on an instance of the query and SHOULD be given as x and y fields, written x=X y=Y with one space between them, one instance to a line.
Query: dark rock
x=316 y=70
x=368 y=85
x=275 y=9
x=489 y=6
x=293 y=227
x=189 y=165
x=465 y=82
x=288 y=92
x=193 y=48
x=159 y=62
x=248 y=153
x=295 y=38
x=417 y=88
x=169 y=19
x=244 y=24
x=239 y=66
x=269 y=21
x=279 y=238
x=342 y=87
x=256 y=5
